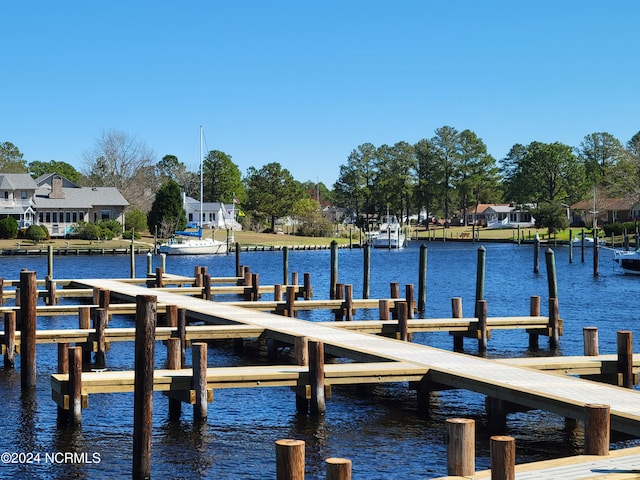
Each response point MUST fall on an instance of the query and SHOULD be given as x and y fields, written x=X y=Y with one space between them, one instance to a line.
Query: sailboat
x=193 y=243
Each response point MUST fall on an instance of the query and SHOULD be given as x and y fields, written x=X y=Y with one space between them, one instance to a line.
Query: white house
x=508 y=216
x=16 y=198
x=216 y=215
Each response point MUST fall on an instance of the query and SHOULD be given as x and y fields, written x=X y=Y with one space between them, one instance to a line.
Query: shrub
x=36 y=233
x=8 y=228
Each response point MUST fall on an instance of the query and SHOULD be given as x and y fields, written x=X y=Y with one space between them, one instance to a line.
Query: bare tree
x=119 y=160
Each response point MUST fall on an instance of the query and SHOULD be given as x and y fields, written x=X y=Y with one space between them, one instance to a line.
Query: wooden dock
x=527 y=387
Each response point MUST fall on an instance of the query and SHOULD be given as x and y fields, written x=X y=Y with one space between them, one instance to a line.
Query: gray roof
x=17 y=181
x=80 y=198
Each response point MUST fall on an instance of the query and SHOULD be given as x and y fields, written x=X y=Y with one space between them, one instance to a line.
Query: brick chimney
x=56 y=187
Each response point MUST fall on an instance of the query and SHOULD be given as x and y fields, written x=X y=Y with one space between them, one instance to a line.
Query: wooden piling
x=570 y=246
x=536 y=254
x=159 y=277
x=403 y=315
x=1 y=291
x=480 y=276
x=171 y=316
x=277 y=292
x=75 y=384
x=206 y=286
x=9 y=338
x=100 y=317
x=411 y=303
x=334 y=270
x=316 y=377
x=554 y=323
x=552 y=280
x=597 y=428
x=534 y=311
x=301 y=348
x=50 y=286
x=132 y=256
x=461 y=447
x=503 y=457
x=348 y=302
x=28 y=300
x=291 y=300
x=339 y=312
x=84 y=323
x=237 y=251
x=174 y=362
x=308 y=291
x=50 y=260
x=596 y=253
x=422 y=279
x=338 y=468
x=181 y=333
x=590 y=339
x=63 y=368
x=625 y=358
x=255 y=287
x=199 y=358
x=383 y=309
x=285 y=265
x=481 y=309
x=146 y=319
x=290 y=459
x=366 y=274
x=456 y=312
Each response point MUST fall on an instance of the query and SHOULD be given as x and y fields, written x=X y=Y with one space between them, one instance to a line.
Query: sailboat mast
x=201 y=183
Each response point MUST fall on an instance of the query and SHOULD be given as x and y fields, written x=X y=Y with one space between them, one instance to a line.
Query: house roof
x=47 y=178
x=17 y=181
x=608 y=204
x=482 y=207
x=504 y=208
x=80 y=197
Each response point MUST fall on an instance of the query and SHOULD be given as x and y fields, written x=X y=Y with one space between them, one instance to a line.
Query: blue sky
x=303 y=83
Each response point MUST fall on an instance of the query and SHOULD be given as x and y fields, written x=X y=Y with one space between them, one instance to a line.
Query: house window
x=47 y=217
x=67 y=217
x=105 y=214
x=6 y=195
x=74 y=215
x=55 y=217
x=23 y=194
x=191 y=217
x=40 y=217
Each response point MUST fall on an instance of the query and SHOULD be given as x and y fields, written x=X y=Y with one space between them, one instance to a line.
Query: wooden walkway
x=565 y=396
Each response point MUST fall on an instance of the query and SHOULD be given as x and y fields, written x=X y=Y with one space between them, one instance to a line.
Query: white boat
x=193 y=243
x=577 y=240
x=183 y=243
x=390 y=234
x=628 y=261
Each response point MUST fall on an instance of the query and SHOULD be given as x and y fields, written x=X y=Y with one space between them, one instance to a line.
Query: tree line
x=443 y=176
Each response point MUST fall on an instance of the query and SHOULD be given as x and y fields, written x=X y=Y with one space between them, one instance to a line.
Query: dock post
x=159 y=280
x=237 y=251
x=50 y=260
x=456 y=312
x=597 y=428
x=199 y=358
x=1 y=291
x=9 y=338
x=285 y=265
x=334 y=270
x=63 y=368
x=197 y=276
x=100 y=317
x=316 y=377
x=366 y=274
x=289 y=459
x=503 y=457
x=255 y=287
x=339 y=312
x=338 y=469
x=291 y=300
x=461 y=447
x=534 y=311
x=625 y=358
x=277 y=292
x=590 y=339
x=480 y=276
x=301 y=348
x=348 y=302
x=206 y=286
x=247 y=277
x=146 y=313
x=181 y=333
x=481 y=309
x=411 y=303
x=308 y=291
x=552 y=280
x=422 y=279
x=132 y=255
x=171 y=316
x=28 y=300
x=394 y=291
x=104 y=298
x=402 y=329
x=536 y=254
x=50 y=286
x=554 y=323
x=75 y=384
x=149 y=264
x=174 y=362
x=570 y=246
x=383 y=309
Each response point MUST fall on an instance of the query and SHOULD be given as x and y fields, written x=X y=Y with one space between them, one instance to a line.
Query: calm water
x=380 y=432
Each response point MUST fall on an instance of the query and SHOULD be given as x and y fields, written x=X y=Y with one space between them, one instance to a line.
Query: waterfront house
x=605 y=210
x=16 y=198
x=508 y=216
x=215 y=215
x=60 y=204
